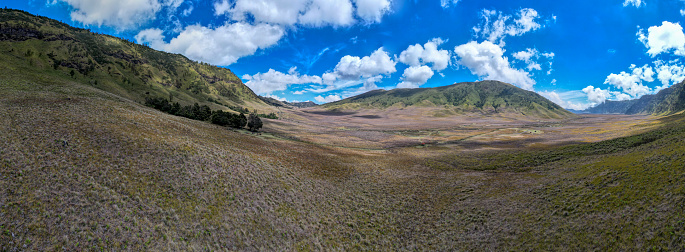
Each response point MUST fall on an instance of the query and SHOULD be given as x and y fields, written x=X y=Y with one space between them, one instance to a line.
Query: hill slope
x=115 y=65
x=485 y=97
x=82 y=169
x=668 y=101
x=611 y=107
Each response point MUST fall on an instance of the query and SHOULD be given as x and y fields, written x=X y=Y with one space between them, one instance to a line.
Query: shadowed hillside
x=115 y=65
x=487 y=97
x=668 y=101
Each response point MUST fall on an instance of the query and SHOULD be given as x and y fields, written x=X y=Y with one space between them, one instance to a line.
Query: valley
x=85 y=165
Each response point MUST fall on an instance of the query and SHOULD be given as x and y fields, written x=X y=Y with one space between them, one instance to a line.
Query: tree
x=221 y=118
x=238 y=121
x=254 y=123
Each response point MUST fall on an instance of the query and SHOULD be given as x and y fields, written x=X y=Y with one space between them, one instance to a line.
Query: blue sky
x=576 y=53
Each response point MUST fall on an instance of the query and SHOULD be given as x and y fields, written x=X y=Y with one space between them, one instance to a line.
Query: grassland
x=85 y=169
x=86 y=166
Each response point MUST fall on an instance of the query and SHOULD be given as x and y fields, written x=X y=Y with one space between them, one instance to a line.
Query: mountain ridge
x=668 y=101
x=485 y=97
x=118 y=66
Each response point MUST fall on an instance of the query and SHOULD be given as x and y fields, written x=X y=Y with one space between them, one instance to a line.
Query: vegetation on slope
x=277 y=103
x=83 y=169
x=484 y=97
x=115 y=65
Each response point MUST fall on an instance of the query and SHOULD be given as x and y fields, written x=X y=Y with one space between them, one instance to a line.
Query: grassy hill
x=84 y=169
x=485 y=97
x=33 y=43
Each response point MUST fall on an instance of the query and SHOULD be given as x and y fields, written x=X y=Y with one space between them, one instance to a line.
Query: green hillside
x=485 y=97
x=33 y=43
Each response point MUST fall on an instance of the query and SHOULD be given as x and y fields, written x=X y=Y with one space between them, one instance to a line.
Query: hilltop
x=484 y=97
x=116 y=65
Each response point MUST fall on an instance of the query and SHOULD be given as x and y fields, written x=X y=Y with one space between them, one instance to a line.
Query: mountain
x=487 y=97
x=115 y=65
x=611 y=107
x=277 y=103
x=668 y=101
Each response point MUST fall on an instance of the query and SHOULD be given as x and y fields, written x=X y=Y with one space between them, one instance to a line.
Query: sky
x=576 y=53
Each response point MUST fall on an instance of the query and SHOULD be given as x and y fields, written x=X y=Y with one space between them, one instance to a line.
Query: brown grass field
x=82 y=169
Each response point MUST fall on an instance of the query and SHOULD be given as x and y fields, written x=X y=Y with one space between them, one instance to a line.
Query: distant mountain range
x=277 y=103
x=668 y=101
x=118 y=66
x=486 y=97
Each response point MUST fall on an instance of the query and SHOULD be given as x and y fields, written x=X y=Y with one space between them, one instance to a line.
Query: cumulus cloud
x=316 y=13
x=265 y=83
x=415 y=76
x=371 y=11
x=121 y=14
x=596 y=95
x=368 y=69
x=631 y=83
x=487 y=61
x=669 y=74
x=636 y=3
x=496 y=26
x=328 y=12
x=327 y=99
x=222 y=45
x=562 y=99
x=668 y=37
x=416 y=55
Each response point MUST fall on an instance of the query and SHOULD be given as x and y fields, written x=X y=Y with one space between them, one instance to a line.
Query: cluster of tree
x=204 y=113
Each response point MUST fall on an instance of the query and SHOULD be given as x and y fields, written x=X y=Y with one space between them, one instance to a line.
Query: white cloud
x=682 y=12
x=315 y=13
x=529 y=56
x=371 y=11
x=415 y=76
x=416 y=55
x=496 y=26
x=327 y=99
x=328 y=12
x=268 y=11
x=663 y=39
x=448 y=3
x=636 y=3
x=354 y=68
x=562 y=99
x=223 y=45
x=487 y=61
x=276 y=97
x=631 y=83
x=265 y=83
x=596 y=95
x=669 y=74
x=121 y=14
